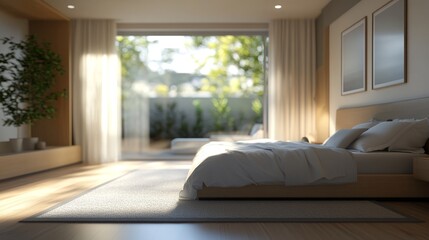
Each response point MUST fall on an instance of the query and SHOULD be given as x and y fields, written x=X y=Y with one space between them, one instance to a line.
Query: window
x=189 y=87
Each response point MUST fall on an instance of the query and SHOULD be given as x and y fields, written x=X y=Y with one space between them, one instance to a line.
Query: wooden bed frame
x=367 y=186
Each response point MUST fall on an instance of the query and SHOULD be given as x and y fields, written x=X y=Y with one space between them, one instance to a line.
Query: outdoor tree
x=236 y=59
x=238 y=70
x=132 y=50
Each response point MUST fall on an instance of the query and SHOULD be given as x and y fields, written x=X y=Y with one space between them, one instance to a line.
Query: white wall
x=10 y=26
x=418 y=58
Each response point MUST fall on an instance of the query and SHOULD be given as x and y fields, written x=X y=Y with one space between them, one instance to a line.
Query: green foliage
x=170 y=120
x=131 y=52
x=243 y=53
x=183 y=130
x=257 y=109
x=27 y=76
x=163 y=123
x=222 y=114
x=168 y=123
x=157 y=124
x=198 y=128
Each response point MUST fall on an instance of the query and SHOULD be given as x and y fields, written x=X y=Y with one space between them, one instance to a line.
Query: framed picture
x=389 y=45
x=353 y=58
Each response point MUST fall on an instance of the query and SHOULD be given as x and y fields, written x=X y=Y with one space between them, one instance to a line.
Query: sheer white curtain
x=291 y=79
x=96 y=90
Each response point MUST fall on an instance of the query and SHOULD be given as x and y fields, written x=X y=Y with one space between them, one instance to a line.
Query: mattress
x=385 y=162
x=236 y=164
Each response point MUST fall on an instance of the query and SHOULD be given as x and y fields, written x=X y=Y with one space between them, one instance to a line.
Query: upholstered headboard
x=415 y=108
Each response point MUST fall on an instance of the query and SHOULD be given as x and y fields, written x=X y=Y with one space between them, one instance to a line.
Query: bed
x=378 y=174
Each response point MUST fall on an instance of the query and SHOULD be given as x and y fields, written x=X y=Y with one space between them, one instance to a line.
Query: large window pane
x=189 y=87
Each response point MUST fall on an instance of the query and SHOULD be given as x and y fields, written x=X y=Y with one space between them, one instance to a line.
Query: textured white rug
x=152 y=196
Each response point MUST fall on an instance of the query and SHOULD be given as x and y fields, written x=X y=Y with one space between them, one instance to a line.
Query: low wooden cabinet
x=18 y=164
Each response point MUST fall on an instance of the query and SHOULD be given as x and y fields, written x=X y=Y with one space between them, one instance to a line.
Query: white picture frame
x=389 y=65
x=353 y=58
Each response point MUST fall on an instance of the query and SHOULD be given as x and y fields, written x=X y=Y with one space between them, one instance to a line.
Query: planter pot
x=40 y=145
x=16 y=145
x=29 y=144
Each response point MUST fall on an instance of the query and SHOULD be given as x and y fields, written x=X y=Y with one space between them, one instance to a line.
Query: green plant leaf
x=27 y=76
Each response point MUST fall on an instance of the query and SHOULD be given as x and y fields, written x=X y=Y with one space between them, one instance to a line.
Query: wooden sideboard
x=48 y=25
x=18 y=164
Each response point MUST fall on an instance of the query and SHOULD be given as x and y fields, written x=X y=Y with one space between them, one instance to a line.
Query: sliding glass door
x=189 y=87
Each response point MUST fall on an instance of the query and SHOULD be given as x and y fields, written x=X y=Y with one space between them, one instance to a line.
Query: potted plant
x=27 y=76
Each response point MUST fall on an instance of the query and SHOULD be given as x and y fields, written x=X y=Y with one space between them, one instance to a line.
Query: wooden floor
x=25 y=196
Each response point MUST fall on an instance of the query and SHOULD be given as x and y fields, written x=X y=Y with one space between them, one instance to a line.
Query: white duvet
x=226 y=164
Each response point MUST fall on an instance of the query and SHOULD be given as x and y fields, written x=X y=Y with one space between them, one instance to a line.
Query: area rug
x=151 y=196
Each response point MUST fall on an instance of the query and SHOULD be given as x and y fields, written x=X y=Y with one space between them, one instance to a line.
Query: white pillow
x=380 y=137
x=367 y=125
x=404 y=120
x=344 y=137
x=412 y=140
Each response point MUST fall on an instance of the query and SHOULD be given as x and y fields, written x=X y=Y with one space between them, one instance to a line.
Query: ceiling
x=189 y=11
